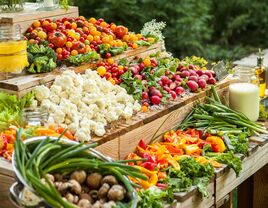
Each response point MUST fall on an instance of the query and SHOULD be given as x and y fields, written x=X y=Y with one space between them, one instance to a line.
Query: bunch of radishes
x=194 y=78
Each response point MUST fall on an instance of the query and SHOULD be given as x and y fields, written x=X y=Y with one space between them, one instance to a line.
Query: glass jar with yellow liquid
x=261 y=74
x=13 y=49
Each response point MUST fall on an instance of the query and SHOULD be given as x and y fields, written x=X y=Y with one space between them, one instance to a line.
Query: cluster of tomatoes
x=72 y=36
x=111 y=70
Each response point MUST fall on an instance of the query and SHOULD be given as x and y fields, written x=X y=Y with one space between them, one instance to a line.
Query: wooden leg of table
x=245 y=194
x=260 y=195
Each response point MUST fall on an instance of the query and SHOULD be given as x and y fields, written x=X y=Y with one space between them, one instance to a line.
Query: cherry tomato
x=120 y=31
x=59 y=56
x=108 y=55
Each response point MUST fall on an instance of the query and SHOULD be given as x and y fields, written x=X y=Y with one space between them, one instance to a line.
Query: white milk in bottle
x=244 y=94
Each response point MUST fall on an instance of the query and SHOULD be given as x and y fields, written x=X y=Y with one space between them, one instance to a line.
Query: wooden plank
x=197 y=201
x=6 y=168
x=110 y=149
x=226 y=182
x=5 y=182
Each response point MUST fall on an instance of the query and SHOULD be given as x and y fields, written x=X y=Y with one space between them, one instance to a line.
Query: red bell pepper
x=142 y=144
x=149 y=165
x=161 y=185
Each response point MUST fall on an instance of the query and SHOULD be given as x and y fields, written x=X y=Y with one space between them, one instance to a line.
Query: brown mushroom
x=87 y=196
x=84 y=203
x=103 y=191
x=93 y=194
x=116 y=193
x=69 y=197
x=62 y=187
x=109 y=204
x=58 y=177
x=97 y=204
x=110 y=179
x=79 y=175
x=94 y=180
x=85 y=189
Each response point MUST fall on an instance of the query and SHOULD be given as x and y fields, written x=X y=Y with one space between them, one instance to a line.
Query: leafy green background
x=210 y=28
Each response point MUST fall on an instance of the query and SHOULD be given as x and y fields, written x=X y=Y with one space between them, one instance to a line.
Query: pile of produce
x=85 y=103
x=68 y=175
x=72 y=36
x=154 y=80
x=7 y=137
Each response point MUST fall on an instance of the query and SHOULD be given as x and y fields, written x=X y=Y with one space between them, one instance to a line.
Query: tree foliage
x=211 y=28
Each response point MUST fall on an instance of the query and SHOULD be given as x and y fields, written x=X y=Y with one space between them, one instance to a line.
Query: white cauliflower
x=41 y=92
x=85 y=103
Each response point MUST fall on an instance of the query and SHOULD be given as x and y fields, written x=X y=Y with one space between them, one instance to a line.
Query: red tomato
x=120 y=31
x=57 y=38
x=79 y=46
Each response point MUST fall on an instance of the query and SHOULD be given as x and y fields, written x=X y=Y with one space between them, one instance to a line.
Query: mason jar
x=35 y=116
x=13 y=49
x=244 y=93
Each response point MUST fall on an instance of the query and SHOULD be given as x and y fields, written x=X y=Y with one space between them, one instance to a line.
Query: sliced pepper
x=152 y=175
x=173 y=162
x=217 y=143
x=192 y=149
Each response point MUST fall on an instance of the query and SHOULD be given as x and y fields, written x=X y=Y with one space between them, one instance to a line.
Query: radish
x=155 y=100
x=208 y=73
x=194 y=78
x=202 y=83
x=192 y=72
x=212 y=81
x=167 y=73
x=141 y=66
x=192 y=85
x=156 y=92
x=179 y=68
x=160 y=83
x=172 y=86
x=134 y=70
x=138 y=76
x=177 y=77
x=167 y=88
x=144 y=82
x=164 y=80
x=178 y=83
x=185 y=74
x=204 y=76
x=153 y=61
x=151 y=89
x=143 y=76
x=179 y=90
x=191 y=66
x=173 y=94
x=199 y=72
x=213 y=73
x=144 y=95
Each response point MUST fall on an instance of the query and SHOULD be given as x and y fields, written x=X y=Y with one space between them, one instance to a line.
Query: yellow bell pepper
x=218 y=142
x=191 y=149
x=152 y=175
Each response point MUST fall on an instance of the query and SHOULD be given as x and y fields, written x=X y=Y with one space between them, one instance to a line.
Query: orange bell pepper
x=217 y=143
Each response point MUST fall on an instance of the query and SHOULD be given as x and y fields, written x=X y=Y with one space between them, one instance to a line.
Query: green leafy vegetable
x=237 y=143
x=41 y=58
x=83 y=58
x=151 y=198
x=153 y=29
x=143 y=43
x=11 y=109
x=228 y=158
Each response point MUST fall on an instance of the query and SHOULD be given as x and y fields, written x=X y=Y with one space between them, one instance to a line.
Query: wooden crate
x=26 y=17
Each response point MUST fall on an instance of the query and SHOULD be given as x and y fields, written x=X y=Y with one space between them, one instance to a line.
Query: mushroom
x=93 y=194
x=69 y=197
x=94 y=180
x=75 y=186
x=84 y=203
x=50 y=177
x=76 y=199
x=109 y=204
x=97 y=204
x=79 y=175
x=87 y=196
x=110 y=179
x=116 y=193
x=62 y=187
x=103 y=191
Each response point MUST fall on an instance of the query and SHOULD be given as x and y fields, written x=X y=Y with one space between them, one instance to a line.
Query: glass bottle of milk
x=244 y=93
